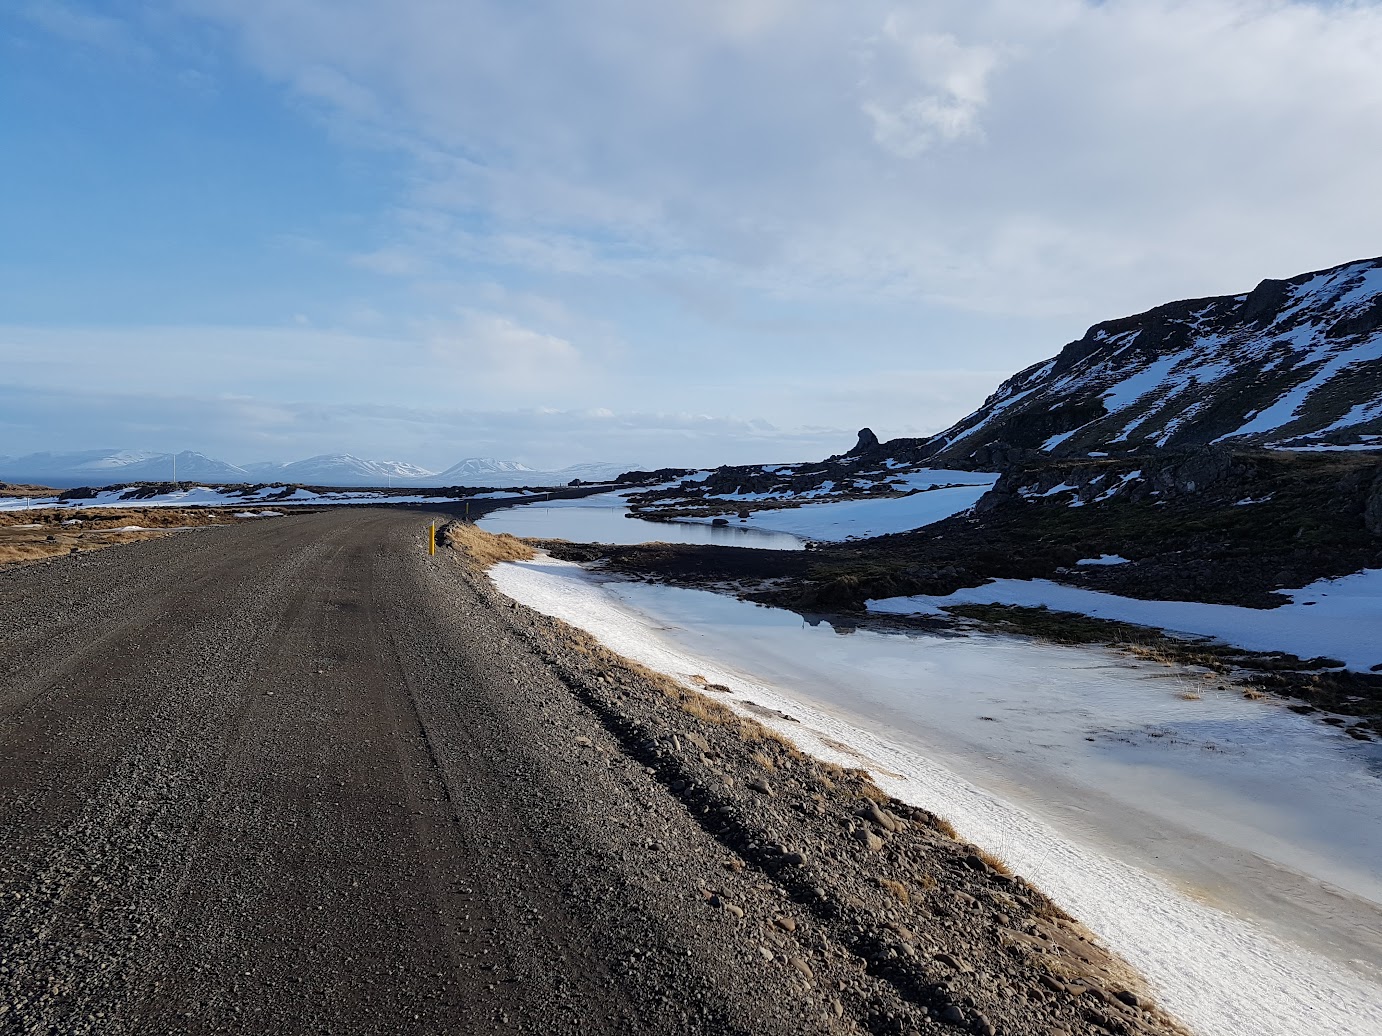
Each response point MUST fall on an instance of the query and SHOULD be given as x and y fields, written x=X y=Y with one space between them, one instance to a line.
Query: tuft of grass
x=897 y=889
x=945 y=827
x=993 y=861
x=763 y=760
x=485 y=548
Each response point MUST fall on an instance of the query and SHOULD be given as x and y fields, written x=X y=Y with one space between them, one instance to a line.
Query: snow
x=1335 y=618
x=1129 y=390
x=1222 y=974
x=1104 y=559
x=859 y=519
x=1123 y=480
x=925 y=478
x=1064 y=487
x=1055 y=440
x=1285 y=408
x=1327 y=448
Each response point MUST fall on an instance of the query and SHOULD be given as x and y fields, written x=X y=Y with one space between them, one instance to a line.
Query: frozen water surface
x=1228 y=848
x=601 y=519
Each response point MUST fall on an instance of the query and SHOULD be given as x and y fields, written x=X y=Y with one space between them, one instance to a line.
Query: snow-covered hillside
x=1293 y=364
x=113 y=467
x=340 y=469
x=100 y=467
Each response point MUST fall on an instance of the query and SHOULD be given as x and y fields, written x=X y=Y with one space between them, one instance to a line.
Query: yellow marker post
x=432 y=538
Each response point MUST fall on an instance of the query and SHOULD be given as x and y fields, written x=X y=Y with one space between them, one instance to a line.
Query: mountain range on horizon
x=108 y=467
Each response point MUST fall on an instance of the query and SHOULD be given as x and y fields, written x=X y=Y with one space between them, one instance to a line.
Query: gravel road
x=299 y=777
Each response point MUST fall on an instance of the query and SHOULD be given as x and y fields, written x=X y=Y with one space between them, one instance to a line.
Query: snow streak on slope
x=1221 y=975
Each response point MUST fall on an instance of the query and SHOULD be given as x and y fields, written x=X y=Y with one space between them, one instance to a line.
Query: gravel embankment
x=300 y=777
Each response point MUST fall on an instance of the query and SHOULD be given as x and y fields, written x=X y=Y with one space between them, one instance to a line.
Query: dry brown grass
x=763 y=760
x=87 y=519
x=20 y=545
x=992 y=861
x=897 y=889
x=53 y=531
x=485 y=548
x=17 y=489
x=1189 y=695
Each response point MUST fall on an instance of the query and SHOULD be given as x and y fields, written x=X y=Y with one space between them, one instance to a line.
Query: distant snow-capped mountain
x=111 y=467
x=482 y=467
x=1293 y=364
x=105 y=466
x=339 y=469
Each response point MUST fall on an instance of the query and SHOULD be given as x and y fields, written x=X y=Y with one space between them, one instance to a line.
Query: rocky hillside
x=1293 y=364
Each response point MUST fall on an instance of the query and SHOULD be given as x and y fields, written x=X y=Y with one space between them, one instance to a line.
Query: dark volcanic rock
x=867 y=441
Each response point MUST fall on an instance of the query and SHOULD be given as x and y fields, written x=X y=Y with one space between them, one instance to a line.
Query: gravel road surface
x=299 y=777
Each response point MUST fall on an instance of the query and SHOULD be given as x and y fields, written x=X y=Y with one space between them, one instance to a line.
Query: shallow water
x=1179 y=820
x=601 y=519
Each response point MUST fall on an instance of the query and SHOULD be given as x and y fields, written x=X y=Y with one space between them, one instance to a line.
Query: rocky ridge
x=1292 y=364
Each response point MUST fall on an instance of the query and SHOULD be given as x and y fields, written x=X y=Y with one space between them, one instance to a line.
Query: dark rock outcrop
x=867 y=441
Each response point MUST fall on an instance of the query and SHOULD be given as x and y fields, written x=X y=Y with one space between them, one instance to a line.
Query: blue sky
x=689 y=232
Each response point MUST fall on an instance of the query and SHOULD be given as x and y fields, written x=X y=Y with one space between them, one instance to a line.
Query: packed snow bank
x=860 y=519
x=1222 y=975
x=1335 y=618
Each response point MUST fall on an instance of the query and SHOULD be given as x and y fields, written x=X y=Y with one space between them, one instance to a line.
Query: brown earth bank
x=31 y=535
x=300 y=777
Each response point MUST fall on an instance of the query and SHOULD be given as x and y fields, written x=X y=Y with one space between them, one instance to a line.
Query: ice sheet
x=1336 y=618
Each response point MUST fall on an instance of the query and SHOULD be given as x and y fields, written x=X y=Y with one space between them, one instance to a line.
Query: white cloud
x=84 y=27
x=494 y=349
x=927 y=87
x=990 y=154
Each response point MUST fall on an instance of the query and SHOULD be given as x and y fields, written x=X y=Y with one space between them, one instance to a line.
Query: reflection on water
x=601 y=519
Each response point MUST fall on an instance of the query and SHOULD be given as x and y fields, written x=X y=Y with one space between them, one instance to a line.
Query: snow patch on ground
x=859 y=519
x=1336 y=618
